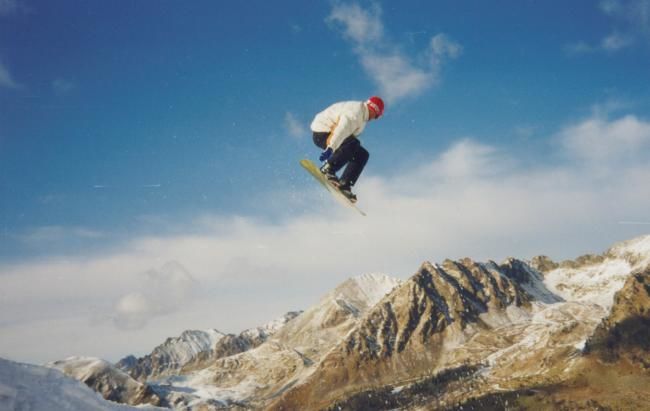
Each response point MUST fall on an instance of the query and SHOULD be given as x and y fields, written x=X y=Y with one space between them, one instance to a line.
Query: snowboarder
x=336 y=130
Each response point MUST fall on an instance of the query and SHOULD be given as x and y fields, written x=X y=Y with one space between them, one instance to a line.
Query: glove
x=325 y=155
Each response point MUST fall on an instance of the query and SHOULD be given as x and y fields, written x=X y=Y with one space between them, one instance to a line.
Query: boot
x=327 y=171
x=346 y=189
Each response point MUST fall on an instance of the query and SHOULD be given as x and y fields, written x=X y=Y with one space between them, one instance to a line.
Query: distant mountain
x=251 y=378
x=232 y=344
x=462 y=334
x=172 y=355
x=30 y=387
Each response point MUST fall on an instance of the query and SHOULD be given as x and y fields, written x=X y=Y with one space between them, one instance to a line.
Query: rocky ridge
x=104 y=378
x=527 y=332
x=232 y=344
x=169 y=357
x=536 y=334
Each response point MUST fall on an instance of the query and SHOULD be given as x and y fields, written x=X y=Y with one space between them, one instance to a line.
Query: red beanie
x=376 y=104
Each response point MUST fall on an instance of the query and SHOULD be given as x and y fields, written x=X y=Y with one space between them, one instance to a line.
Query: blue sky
x=131 y=129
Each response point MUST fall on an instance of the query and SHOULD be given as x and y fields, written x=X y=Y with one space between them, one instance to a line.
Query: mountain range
x=461 y=334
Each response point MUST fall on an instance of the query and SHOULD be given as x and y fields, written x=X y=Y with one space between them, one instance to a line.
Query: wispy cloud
x=58 y=234
x=525 y=131
x=8 y=7
x=630 y=24
x=443 y=47
x=473 y=199
x=635 y=14
x=396 y=74
x=616 y=41
x=62 y=86
x=295 y=28
x=6 y=79
x=295 y=128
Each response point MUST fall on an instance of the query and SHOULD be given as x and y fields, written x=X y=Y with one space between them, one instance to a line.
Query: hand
x=325 y=155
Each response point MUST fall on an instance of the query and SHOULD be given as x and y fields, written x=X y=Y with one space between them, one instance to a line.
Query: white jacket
x=341 y=120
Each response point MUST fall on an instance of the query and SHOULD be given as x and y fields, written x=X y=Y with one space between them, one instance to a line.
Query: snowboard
x=315 y=171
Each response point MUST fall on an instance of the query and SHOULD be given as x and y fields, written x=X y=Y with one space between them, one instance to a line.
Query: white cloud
x=295 y=128
x=631 y=19
x=467 y=159
x=363 y=26
x=442 y=46
x=608 y=142
x=6 y=79
x=161 y=293
x=472 y=200
x=396 y=74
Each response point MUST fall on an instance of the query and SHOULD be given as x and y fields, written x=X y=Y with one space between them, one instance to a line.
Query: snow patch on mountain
x=172 y=355
x=270 y=328
x=593 y=284
x=637 y=251
x=182 y=349
x=373 y=287
x=82 y=368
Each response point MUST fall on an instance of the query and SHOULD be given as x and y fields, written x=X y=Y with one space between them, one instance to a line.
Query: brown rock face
x=626 y=331
x=543 y=264
x=113 y=384
x=405 y=334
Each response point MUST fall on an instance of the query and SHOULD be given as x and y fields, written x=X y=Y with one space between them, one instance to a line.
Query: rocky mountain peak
x=543 y=264
x=635 y=251
x=232 y=344
x=433 y=299
x=626 y=330
x=173 y=354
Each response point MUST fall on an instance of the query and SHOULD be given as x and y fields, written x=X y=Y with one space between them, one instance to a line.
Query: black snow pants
x=349 y=152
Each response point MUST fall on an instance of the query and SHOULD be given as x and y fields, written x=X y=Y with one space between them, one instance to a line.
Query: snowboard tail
x=316 y=173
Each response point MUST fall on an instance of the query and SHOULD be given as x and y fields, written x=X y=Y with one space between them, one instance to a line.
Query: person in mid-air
x=336 y=130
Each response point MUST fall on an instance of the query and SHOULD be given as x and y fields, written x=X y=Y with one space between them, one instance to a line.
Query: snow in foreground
x=32 y=388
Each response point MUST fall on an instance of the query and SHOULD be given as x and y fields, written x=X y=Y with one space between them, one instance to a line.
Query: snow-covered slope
x=169 y=357
x=458 y=332
x=323 y=324
x=288 y=357
x=595 y=279
x=507 y=326
x=30 y=387
x=112 y=383
x=267 y=330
